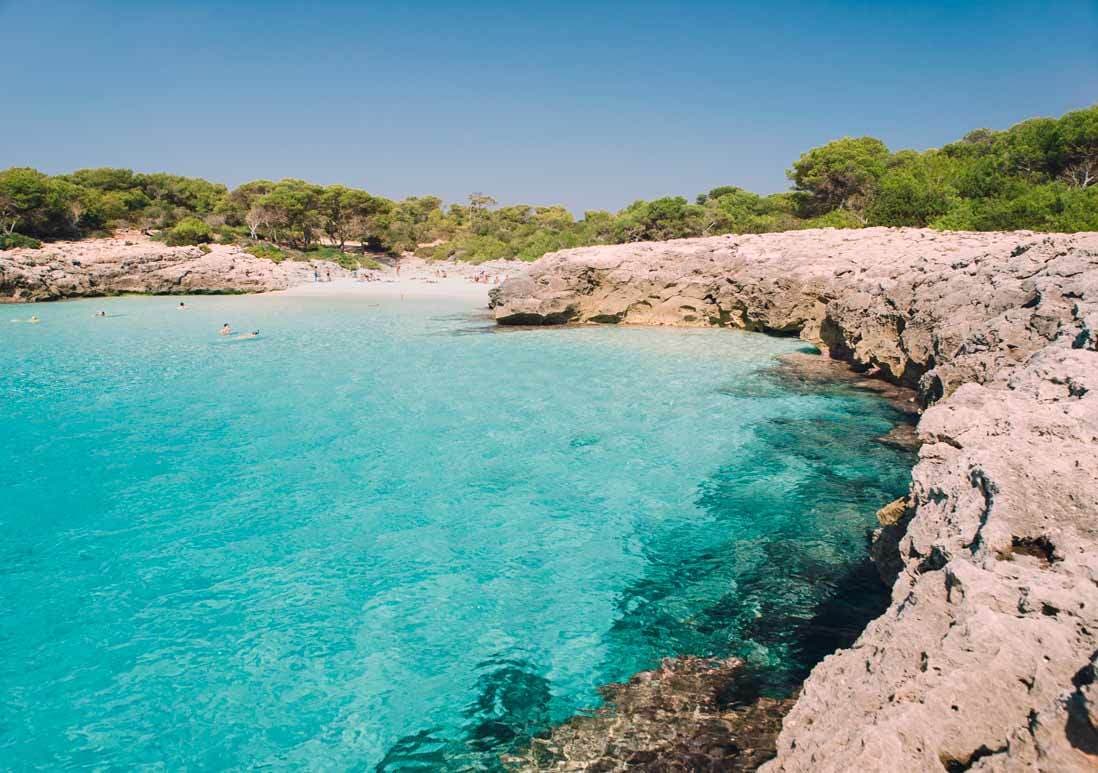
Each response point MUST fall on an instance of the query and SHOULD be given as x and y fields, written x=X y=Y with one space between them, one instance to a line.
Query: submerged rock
x=985 y=657
x=679 y=717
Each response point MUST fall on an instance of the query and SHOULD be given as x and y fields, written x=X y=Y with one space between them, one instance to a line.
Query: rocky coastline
x=133 y=264
x=986 y=657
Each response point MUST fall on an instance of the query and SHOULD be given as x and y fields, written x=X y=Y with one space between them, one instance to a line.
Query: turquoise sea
x=387 y=535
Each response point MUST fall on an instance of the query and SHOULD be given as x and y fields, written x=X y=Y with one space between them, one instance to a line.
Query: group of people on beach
x=482 y=277
x=366 y=275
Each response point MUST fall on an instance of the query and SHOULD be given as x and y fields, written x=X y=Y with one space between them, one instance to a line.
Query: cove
x=390 y=535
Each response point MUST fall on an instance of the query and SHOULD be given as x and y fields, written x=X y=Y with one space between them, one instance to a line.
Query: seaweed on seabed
x=512 y=706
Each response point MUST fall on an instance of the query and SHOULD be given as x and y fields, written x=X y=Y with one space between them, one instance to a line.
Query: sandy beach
x=416 y=278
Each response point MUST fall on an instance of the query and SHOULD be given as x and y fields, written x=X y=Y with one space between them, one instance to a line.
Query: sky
x=587 y=104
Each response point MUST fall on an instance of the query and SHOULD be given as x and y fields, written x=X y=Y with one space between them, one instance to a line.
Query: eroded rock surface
x=97 y=267
x=985 y=659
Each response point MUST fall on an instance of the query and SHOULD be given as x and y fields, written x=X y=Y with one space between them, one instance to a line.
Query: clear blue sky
x=588 y=104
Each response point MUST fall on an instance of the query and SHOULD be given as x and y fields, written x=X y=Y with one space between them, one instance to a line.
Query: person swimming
x=182 y=306
x=253 y=334
x=100 y=313
x=225 y=330
x=33 y=320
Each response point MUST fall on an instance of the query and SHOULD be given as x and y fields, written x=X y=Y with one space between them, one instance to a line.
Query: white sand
x=453 y=287
x=417 y=279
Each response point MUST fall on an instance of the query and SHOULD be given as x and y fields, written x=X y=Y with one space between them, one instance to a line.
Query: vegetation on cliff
x=1041 y=174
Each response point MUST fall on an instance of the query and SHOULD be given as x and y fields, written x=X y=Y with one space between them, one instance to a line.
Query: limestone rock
x=890 y=514
x=985 y=659
x=97 y=267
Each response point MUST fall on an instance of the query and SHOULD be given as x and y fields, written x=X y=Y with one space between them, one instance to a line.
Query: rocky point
x=986 y=657
x=135 y=264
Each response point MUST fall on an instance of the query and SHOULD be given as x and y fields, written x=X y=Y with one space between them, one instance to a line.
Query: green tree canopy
x=1039 y=174
x=842 y=174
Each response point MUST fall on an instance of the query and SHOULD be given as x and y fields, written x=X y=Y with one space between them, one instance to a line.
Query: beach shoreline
x=416 y=278
x=130 y=263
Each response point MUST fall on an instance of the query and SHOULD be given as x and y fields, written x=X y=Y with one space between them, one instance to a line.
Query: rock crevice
x=985 y=658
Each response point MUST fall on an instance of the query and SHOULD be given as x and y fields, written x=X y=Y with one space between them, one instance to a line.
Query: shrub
x=477 y=249
x=1079 y=210
x=189 y=230
x=349 y=262
x=838 y=218
x=324 y=253
x=268 y=251
x=962 y=217
x=909 y=197
x=227 y=234
x=13 y=240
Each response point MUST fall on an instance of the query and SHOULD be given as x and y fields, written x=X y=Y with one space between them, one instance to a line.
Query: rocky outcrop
x=96 y=267
x=985 y=659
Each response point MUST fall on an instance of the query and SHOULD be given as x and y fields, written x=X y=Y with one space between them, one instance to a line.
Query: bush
x=13 y=240
x=189 y=230
x=541 y=242
x=1079 y=211
x=962 y=217
x=349 y=262
x=227 y=234
x=268 y=251
x=909 y=198
x=478 y=249
x=323 y=253
x=838 y=218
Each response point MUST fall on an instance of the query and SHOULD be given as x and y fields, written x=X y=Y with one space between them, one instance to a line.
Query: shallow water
x=385 y=534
